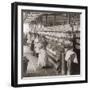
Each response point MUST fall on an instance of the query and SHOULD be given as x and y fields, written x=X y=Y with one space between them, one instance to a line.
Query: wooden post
x=63 y=64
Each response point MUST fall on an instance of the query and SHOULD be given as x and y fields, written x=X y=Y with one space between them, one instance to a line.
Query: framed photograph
x=49 y=44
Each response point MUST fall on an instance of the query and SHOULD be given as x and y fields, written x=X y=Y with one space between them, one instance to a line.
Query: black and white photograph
x=50 y=42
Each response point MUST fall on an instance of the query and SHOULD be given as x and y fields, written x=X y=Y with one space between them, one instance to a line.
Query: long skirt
x=42 y=59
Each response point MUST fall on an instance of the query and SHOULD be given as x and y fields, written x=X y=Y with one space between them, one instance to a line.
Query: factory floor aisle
x=33 y=69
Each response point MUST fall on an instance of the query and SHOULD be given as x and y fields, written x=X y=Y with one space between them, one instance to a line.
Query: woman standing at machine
x=43 y=57
x=70 y=58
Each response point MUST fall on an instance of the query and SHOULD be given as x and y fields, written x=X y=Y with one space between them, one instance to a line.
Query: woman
x=37 y=45
x=32 y=44
x=42 y=59
x=70 y=58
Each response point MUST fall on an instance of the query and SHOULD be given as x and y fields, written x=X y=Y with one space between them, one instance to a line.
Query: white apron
x=42 y=59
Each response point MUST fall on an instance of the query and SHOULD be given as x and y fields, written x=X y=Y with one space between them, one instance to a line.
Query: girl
x=70 y=58
x=42 y=59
